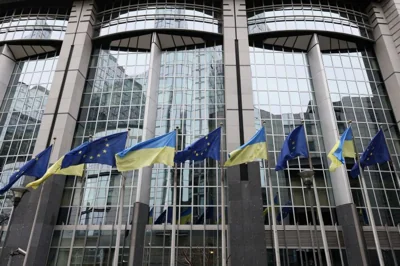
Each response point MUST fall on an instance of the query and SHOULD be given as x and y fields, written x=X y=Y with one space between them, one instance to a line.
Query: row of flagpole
x=82 y=155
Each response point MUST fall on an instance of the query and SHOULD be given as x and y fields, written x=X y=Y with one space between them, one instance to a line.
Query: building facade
x=71 y=70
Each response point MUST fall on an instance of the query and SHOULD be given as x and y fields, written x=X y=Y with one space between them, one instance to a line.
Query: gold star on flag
x=91 y=157
x=197 y=154
x=80 y=152
x=36 y=158
x=106 y=139
x=107 y=145
x=201 y=154
x=98 y=155
x=84 y=156
x=208 y=143
x=104 y=151
x=293 y=142
x=370 y=154
x=206 y=137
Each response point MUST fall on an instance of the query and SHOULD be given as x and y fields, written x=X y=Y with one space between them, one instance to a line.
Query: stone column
x=385 y=21
x=7 y=64
x=246 y=237
x=345 y=208
x=140 y=212
x=58 y=121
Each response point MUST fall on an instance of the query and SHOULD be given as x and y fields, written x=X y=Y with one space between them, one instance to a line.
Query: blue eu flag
x=286 y=210
x=165 y=217
x=206 y=147
x=376 y=152
x=295 y=145
x=36 y=167
x=101 y=151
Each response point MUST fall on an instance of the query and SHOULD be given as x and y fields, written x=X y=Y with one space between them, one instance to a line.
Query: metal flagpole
x=173 y=233
x=371 y=215
x=391 y=160
x=321 y=221
x=271 y=198
x=223 y=225
x=121 y=206
x=36 y=213
x=78 y=214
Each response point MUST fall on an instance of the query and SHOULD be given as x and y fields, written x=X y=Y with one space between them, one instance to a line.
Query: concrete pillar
x=59 y=121
x=246 y=237
x=385 y=21
x=7 y=64
x=345 y=208
x=141 y=207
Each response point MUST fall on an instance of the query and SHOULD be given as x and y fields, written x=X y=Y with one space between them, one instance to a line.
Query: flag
x=363 y=214
x=186 y=216
x=255 y=148
x=158 y=150
x=206 y=147
x=295 y=145
x=209 y=215
x=286 y=210
x=151 y=216
x=343 y=148
x=36 y=167
x=276 y=202
x=376 y=152
x=101 y=151
x=163 y=217
x=76 y=170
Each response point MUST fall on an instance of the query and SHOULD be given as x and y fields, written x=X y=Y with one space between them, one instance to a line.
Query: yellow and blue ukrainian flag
x=343 y=148
x=255 y=148
x=36 y=167
x=151 y=213
x=76 y=170
x=149 y=152
x=186 y=216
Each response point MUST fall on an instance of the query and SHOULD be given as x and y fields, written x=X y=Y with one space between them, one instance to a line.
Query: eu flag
x=36 y=167
x=286 y=210
x=295 y=145
x=206 y=147
x=101 y=151
x=376 y=152
x=165 y=217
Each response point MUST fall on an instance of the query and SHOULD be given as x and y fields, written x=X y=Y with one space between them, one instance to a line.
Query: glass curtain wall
x=113 y=101
x=283 y=96
x=21 y=114
x=191 y=97
x=359 y=94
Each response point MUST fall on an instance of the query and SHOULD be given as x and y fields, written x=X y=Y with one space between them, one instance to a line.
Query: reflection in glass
x=283 y=95
x=360 y=96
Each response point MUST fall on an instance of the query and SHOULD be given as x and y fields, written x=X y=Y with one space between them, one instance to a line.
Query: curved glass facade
x=123 y=16
x=113 y=101
x=191 y=64
x=190 y=96
x=358 y=94
x=33 y=23
x=307 y=15
x=21 y=112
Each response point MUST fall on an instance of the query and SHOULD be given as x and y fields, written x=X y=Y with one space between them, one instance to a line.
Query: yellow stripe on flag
x=76 y=170
x=145 y=157
x=248 y=154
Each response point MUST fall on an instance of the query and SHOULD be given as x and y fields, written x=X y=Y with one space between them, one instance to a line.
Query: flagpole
x=36 y=213
x=271 y=198
x=321 y=221
x=391 y=159
x=223 y=225
x=367 y=201
x=121 y=206
x=83 y=183
x=173 y=232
